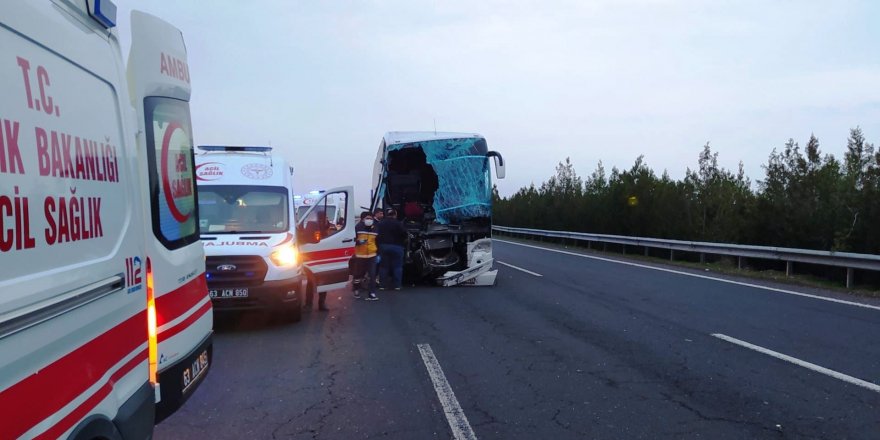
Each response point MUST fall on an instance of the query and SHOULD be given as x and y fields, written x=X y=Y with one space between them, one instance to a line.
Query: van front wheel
x=290 y=313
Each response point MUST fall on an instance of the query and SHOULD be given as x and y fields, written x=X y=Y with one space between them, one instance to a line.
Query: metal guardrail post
x=850 y=277
x=789 y=268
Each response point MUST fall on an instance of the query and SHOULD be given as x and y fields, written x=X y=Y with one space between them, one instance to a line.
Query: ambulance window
x=325 y=217
x=171 y=168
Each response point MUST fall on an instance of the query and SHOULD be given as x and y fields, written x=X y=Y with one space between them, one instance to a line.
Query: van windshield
x=235 y=209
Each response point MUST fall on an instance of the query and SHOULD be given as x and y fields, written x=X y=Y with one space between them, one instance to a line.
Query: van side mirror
x=499 y=163
x=310 y=234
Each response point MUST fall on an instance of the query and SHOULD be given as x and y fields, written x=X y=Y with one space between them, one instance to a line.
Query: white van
x=103 y=305
x=257 y=258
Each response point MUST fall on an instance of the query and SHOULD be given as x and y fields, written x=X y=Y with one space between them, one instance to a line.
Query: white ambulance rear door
x=159 y=81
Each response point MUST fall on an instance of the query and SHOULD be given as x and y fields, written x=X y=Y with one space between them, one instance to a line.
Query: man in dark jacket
x=391 y=239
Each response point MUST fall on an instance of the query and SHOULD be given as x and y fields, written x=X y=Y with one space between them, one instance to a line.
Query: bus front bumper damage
x=479 y=267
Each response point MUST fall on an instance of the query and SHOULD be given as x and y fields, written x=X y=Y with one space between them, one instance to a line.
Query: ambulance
x=105 y=320
x=259 y=253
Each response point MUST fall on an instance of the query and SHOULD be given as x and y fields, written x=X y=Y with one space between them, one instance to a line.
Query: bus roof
x=406 y=137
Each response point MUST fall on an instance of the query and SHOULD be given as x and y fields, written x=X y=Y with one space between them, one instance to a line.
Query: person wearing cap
x=392 y=239
x=365 y=253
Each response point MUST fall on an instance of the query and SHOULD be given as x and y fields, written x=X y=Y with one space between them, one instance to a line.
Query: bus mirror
x=499 y=163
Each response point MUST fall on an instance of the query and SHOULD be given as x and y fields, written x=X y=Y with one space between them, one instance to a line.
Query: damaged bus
x=441 y=187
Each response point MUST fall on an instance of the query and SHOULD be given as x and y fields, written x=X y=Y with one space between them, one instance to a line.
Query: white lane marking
x=519 y=268
x=739 y=283
x=800 y=363
x=458 y=422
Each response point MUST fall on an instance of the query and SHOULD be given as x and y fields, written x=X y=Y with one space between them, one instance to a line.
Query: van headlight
x=284 y=256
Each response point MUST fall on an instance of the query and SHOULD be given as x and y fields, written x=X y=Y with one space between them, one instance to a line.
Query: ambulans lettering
x=15 y=226
x=10 y=154
x=172 y=174
x=236 y=243
x=45 y=103
x=174 y=68
x=178 y=185
x=72 y=219
x=209 y=171
x=68 y=217
x=88 y=160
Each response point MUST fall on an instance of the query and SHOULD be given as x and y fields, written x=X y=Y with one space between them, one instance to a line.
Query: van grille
x=249 y=270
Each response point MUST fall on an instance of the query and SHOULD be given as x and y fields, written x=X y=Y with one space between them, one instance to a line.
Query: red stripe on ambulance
x=89 y=404
x=183 y=325
x=175 y=303
x=320 y=256
x=45 y=392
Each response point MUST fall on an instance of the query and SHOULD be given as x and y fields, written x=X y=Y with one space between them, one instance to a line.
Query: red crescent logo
x=166 y=184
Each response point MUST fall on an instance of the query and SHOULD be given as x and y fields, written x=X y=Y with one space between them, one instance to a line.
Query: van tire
x=95 y=428
x=294 y=314
x=287 y=314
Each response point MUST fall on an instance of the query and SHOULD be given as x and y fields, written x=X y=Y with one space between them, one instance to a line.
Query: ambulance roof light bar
x=103 y=11
x=255 y=149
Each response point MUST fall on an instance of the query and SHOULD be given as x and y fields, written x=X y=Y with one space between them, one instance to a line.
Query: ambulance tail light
x=152 y=332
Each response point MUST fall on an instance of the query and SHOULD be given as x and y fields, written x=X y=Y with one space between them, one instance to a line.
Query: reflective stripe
x=172 y=305
x=45 y=392
x=327 y=254
x=89 y=404
x=167 y=333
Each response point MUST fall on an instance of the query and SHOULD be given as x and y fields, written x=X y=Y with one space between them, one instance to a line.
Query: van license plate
x=228 y=293
x=192 y=374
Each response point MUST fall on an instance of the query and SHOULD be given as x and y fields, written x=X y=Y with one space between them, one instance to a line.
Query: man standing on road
x=365 y=257
x=392 y=238
x=378 y=215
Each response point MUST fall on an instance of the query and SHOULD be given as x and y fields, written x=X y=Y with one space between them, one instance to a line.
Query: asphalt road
x=590 y=349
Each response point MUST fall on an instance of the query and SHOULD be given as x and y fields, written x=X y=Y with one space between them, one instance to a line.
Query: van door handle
x=348 y=241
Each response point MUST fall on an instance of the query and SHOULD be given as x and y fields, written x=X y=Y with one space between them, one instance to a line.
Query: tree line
x=806 y=199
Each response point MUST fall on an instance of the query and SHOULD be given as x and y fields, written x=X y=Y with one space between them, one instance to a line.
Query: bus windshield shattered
x=441 y=187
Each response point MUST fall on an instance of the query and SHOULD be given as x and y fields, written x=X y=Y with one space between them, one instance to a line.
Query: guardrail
x=848 y=260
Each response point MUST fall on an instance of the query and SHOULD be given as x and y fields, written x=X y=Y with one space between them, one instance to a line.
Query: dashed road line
x=519 y=268
x=810 y=366
x=458 y=422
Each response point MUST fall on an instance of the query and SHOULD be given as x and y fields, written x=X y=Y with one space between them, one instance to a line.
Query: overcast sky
x=542 y=80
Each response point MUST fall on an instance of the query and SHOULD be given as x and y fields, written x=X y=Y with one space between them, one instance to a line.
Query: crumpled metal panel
x=464 y=189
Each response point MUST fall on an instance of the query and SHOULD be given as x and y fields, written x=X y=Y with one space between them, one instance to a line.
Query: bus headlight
x=284 y=256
